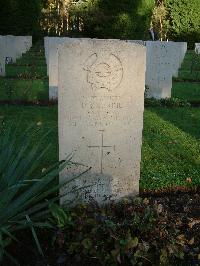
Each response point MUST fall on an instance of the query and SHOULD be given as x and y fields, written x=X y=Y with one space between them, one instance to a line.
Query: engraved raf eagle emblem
x=104 y=74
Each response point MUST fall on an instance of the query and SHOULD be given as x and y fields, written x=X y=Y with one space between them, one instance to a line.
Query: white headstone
x=16 y=45
x=183 y=51
x=11 y=48
x=25 y=43
x=175 y=58
x=160 y=68
x=141 y=42
x=197 y=48
x=2 y=55
x=180 y=49
x=53 y=44
x=101 y=102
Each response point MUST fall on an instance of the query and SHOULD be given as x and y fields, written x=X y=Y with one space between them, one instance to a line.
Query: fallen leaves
x=191 y=241
x=193 y=222
x=159 y=208
x=188 y=180
x=39 y=123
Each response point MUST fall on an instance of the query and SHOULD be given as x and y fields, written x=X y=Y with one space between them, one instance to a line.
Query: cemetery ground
x=166 y=227
x=162 y=227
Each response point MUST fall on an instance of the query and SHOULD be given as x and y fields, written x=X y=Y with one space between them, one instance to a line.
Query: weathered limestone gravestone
x=11 y=48
x=141 y=42
x=175 y=49
x=101 y=102
x=163 y=62
x=180 y=49
x=197 y=48
x=53 y=44
x=159 y=69
x=23 y=44
x=47 y=41
x=16 y=45
x=2 y=55
x=183 y=51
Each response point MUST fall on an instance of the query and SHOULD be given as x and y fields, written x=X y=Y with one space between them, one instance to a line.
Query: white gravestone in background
x=15 y=46
x=53 y=44
x=11 y=48
x=180 y=49
x=176 y=59
x=47 y=41
x=183 y=51
x=163 y=62
x=101 y=102
x=23 y=44
x=159 y=69
x=2 y=55
x=197 y=48
x=52 y=53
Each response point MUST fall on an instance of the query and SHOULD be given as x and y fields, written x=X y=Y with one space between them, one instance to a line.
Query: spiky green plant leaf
x=24 y=194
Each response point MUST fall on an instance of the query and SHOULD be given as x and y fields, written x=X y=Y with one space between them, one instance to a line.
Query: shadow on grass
x=170 y=151
x=44 y=119
x=186 y=91
x=186 y=119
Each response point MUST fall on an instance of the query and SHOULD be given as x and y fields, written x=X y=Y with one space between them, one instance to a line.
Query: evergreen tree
x=125 y=19
x=28 y=16
x=184 y=19
x=20 y=17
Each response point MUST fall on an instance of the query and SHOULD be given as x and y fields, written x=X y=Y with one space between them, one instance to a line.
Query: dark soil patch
x=178 y=220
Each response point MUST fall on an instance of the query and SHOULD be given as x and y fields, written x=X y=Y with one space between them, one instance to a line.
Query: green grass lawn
x=191 y=61
x=26 y=80
x=171 y=142
x=24 y=71
x=43 y=118
x=190 y=68
x=24 y=90
x=171 y=147
x=31 y=61
x=186 y=91
x=188 y=75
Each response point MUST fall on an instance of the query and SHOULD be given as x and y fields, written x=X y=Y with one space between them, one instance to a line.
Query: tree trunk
x=65 y=16
x=161 y=29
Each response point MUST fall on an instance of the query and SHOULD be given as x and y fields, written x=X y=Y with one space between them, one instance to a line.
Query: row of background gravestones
x=12 y=48
x=100 y=111
x=163 y=61
x=101 y=101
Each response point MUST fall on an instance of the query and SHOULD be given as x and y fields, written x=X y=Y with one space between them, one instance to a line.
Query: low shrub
x=168 y=102
x=25 y=190
x=131 y=232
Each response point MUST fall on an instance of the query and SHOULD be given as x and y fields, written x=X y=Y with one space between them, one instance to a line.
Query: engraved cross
x=102 y=147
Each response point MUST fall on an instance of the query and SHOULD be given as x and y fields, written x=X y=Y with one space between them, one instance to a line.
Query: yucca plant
x=24 y=194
